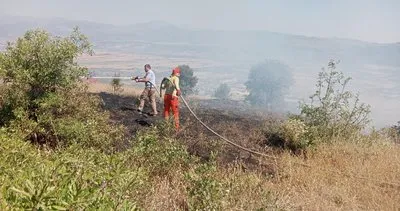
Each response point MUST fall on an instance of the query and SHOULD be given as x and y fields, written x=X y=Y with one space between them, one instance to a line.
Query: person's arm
x=146 y=78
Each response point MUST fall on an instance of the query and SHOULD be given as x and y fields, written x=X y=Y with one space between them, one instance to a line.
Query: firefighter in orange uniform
x=171 y=97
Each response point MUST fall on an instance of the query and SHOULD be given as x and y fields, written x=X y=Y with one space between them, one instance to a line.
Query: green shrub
x=117 y=85
x=78 y=178
x=294 y=133
x=397 y=127
x=42 y=98
x=72 y=179
x=291 y=134
x=334 y=110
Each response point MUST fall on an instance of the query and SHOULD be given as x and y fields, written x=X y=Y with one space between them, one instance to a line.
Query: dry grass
x=340 y=177
x=358 y=174
x=323 y=186
x=166 y=195
x=101 y=87
x=344 y=175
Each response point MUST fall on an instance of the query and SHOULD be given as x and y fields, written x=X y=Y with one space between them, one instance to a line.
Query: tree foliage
x=36 y=66
x=268 y=83
x=223 y=91
x=334 y=110
x=42 y=98
x=187 y=81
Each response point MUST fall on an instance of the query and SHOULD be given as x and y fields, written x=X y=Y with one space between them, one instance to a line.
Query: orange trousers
x=171 y=103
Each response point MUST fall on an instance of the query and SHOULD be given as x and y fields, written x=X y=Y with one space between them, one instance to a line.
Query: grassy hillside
x=194 y=170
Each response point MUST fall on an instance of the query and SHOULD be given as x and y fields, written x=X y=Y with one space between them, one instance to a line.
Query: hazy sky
x=369 y=20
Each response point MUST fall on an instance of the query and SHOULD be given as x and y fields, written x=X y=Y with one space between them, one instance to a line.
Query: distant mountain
x=162 y=38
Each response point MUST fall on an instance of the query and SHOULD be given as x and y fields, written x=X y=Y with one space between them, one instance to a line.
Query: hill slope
x=158 y=37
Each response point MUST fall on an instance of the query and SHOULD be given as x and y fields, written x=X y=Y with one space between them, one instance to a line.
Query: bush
x=396 y=132
x=268 y=83
x=187 y=81
x=78 y=178
x=397 y=127
x=43 y=99
x=294 y=133
x=222 y=92
x=117 y=85
x=334 y=110
x=291 y=134
x=73 y=179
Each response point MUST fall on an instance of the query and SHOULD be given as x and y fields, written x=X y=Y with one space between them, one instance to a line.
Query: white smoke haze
x=367 y=20
x=221 y=40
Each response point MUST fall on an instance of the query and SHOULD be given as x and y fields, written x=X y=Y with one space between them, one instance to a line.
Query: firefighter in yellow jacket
x=171 y=97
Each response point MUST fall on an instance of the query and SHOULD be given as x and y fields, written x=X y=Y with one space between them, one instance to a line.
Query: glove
x=178 y=92
x=135 y=78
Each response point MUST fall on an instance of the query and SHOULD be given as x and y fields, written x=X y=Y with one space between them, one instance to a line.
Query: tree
x=267 y=83
x=223 y=91
x=188 y=81
x=333 y=109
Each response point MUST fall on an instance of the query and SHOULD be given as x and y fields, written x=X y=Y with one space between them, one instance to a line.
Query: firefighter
x=172 y=92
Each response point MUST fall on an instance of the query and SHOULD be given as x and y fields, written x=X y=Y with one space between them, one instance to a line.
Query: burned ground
x=232 y=119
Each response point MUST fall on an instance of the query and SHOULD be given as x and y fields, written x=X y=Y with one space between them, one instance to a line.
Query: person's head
x=147 y=67
x=176 y=71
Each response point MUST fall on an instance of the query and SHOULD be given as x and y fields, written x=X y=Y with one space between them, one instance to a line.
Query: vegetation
x=223 y=91
x=158 y=173
x=117 y=85
x=397 y=127
x=334 y=110
x=268 y=83
x=82 y=161
x=187 y=81
x=43 y=100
